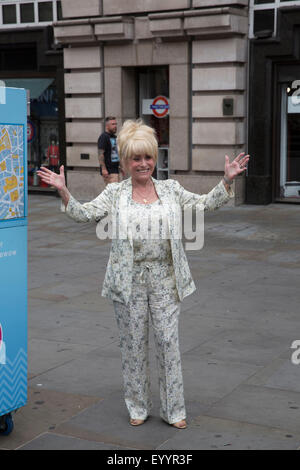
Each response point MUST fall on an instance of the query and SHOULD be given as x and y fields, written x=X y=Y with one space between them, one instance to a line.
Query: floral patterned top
x=150 y=233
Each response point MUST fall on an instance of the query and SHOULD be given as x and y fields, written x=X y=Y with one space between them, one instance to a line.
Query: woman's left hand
x=237 y=166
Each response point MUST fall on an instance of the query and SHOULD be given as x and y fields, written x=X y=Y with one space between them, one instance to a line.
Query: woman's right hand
x=53 y=179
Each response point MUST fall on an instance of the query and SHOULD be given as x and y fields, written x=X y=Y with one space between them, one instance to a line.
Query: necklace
x=145 y=200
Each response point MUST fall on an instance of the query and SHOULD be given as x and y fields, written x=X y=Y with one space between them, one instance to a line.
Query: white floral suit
x=116 y=199
x=167 y=281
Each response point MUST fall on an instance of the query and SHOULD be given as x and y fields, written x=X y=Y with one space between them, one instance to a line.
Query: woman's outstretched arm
x=86 y=212
x=58 y=181
x=221 y=193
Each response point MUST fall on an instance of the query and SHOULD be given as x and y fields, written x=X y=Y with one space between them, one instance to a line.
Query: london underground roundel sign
x=160 y=106
x=30 y=131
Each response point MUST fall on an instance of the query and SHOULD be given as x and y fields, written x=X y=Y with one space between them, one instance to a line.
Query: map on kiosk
x=11 y=171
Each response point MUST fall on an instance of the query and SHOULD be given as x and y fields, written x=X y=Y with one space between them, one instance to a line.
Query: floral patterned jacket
x=115 y=200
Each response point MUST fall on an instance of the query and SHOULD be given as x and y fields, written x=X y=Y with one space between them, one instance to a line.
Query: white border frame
x=283 y=137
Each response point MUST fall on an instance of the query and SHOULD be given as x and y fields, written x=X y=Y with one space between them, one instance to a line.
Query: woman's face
x=141 y=167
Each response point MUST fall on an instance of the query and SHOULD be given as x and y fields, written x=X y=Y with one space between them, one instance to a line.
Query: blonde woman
x=147 y=276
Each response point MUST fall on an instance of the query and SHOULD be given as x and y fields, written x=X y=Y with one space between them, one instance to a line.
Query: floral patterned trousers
x=154 y=294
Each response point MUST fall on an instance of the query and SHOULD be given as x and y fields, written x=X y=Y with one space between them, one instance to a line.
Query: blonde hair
x=136 y=138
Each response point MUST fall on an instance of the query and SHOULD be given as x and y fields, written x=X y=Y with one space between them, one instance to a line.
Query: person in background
x=108 y=152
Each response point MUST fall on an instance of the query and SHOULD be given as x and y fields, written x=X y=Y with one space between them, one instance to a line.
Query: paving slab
x=260 y=405
x=208 y=380
x=53 y=441
x=109 y=420
x=242 y=345
x=281 y=374
x=44 y=354
x=83 y=375
x=90 y=302
x=207 y=433
x=196 y=329
x=45 y=410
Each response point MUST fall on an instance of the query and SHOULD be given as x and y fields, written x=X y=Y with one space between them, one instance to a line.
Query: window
x=32 y=12
x=9 y=14
x=27 y=13
x=259 y=2
x=263 y=16
x=45 y=11
x=263 y=21
x=59 y=11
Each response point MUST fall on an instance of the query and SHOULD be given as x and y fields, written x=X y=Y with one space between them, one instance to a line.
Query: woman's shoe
x=136 y=422
x=180 y=424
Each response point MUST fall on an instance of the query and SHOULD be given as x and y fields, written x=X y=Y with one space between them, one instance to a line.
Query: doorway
x=153 y=106
x=290 y=142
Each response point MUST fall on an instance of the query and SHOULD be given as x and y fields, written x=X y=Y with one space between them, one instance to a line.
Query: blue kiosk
x=13 y=254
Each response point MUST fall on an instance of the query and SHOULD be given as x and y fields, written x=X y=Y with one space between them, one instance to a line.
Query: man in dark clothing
x=108 y=152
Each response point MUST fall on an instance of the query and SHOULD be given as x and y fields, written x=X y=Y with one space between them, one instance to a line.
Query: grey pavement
x=242 y=390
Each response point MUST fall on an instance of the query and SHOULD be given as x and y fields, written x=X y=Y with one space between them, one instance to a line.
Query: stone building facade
x=109 y=49
x=228 y=70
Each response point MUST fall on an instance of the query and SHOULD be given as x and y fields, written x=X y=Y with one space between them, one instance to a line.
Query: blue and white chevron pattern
x=13 y=383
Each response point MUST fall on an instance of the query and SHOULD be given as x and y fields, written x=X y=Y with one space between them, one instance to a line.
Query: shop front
x=274 y=112
x=289 y=127
x=43 y=129
x=41 y=74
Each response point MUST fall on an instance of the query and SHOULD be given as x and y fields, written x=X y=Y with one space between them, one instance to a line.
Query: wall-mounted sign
x=30 y=131
x=159 y=106
x=293 y=105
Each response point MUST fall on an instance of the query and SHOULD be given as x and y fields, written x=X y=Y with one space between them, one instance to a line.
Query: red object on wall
x=43 y=184
x=53 y=155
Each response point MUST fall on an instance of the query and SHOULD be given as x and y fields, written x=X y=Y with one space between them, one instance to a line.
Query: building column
x=218 y=108
x=84 y=118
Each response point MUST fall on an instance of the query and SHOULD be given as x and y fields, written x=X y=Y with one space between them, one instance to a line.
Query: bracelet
x=227 y=181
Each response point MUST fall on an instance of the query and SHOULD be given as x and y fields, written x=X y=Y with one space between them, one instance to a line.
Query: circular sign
x=160 y=106
x=30 y=131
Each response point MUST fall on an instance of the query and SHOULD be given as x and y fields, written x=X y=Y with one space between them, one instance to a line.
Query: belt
x=145 y=267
